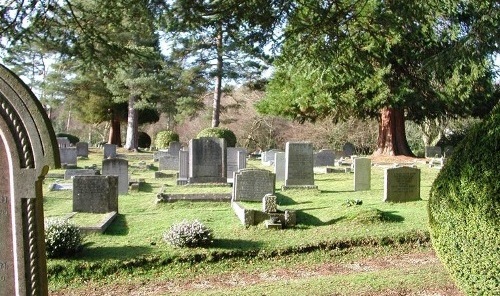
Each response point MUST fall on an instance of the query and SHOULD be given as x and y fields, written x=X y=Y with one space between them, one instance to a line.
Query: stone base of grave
x=288 y=187
x=273 y=225
x=250 y=217
x=135 y=184
x=182 y=181
x=99 y=228
x=164 y=197
x=163 y=175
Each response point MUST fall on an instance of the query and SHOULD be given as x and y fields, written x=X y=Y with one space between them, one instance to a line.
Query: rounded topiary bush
x=143 y=140
x=219 y=132
x=163 y=139
x=62 y=239
x=464 y=209
x=188 y=234
x=71 y=138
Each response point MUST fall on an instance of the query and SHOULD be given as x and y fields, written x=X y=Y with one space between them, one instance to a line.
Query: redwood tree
x=391 y=60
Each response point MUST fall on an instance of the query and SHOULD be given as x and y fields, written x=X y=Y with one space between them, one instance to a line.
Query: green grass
x=324 y=222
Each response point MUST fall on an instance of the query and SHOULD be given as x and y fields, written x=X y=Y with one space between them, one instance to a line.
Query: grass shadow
x=240 y=244
x=391 y=217
x=118 y=227
x=336 y=191
x=146 y=187
x=284 y=200
x=306 y=219
x=90 y=253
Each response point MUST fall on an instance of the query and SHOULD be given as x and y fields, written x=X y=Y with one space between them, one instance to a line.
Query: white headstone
x=362 y=173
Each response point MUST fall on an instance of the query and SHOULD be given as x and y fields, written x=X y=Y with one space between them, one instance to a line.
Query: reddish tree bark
x=391 y=134
x=114 y=136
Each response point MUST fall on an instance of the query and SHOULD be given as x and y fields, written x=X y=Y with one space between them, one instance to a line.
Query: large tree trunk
x=131 y=142
x=392 y=134
x=114 y=136
x=218 y=81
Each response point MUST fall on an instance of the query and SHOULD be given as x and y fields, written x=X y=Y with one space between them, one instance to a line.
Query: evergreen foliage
x=163 y=139
x=62 y=239
x=72 y=138
x=219 y=132
x=464 y=210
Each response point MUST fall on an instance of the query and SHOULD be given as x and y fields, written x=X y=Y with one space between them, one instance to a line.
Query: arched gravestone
x=28 y=147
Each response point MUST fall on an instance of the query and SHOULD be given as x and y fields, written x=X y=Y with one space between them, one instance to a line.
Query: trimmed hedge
x=72 y=138
x=219 y=132
x=163 y=139
x=464 y=210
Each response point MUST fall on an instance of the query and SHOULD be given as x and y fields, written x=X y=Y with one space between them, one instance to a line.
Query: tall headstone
x=68 y=155
x=95 y=194
x=433 y=151
x=324 y=157
x=174 y=148
x=299 y=170
x=401 y=184
x=362 y=173
x=253 y=184
x=207 y=160
x=236 y=160
x=28 y=147
x=82 y=149
x=109 y=151
x=117 y=167
x=279 y=166
x=183 y=167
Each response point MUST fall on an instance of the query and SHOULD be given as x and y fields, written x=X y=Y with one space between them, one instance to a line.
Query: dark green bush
x=164 y=138
x=188 y=234
x=143 y=140
x=464 y=208
x=72 y=138
x=62 y=239
x=219 y=132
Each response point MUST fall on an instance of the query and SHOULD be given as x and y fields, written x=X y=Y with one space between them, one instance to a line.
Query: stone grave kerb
x=28 y=148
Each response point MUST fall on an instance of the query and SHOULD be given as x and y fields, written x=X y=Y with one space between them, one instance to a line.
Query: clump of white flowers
x=188 y=234
x=62 y=239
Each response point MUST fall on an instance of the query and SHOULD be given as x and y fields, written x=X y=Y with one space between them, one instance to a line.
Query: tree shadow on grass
x=146 y=187
x=284 y=200
x=336 y=191
x=90 y=253
x=391 y=217
x=305 y=219
x=118 y=227
x=239 y=244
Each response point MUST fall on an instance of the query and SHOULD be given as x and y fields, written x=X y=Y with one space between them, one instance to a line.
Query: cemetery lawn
x=375 y=248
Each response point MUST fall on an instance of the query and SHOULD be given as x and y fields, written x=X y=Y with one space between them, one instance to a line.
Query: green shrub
x=72 y=138
x=164 y=138
x=464 y=210
x=62 y=239
x=219 y=132
x=188 y=234
x=143 y=140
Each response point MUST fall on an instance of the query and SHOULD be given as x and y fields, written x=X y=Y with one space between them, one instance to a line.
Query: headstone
x=69 y=173
x=109 y=151
x=432 y=151
x=28 y=146
x=174 y=148
x=324 y=157
x=95 y=194
x=362 y=173
x=269 y=204
x=253 y=184
x=183 y=167
x=279 y=166
x=117 y=167
x=236 y=160
x=158 y=154
x=68 y=155
x=269 y=156
x=63 y=142
x=82 y=149
x=401 y=184
x=299 y=170
x=339 y=154
x=207 y=160
x=348 y=149
x=169 y=162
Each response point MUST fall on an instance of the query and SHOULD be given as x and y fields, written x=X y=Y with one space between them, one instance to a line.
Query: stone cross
x=28 y=147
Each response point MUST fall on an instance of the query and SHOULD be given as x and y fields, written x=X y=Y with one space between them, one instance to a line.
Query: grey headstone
x=95 y=194
x=28 y=147
x=362 y=173
x=269 y=204
x=324 y=157
x=174 y=148
x=158 y=154
x=279 y=166
x=183 y=167
x=69 y=173
x=348 y=149
x=299 y=170
x=169 y=162
x=433 y=151
x=269 y=155
x=68 y=155
x=82 y=149
x=117 y=167
x=63 y=142
x=401 y=184
x=253 y=184
x=109 y=151
x=207 y=160
x=236 y=160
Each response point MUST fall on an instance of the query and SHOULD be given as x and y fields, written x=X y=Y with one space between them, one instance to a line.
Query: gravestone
x=174 y=148
x=324 y=157
x=82 y=149
x=299 y=170
x=68 y=155
x=279 y=166
x=362 y=173
x=432 y=151
x=109 y=151
x=95 y=194
x=69 y=173
x=182 y=179
x=348 y=149
x=63 y=142
x=401 y=184
x=28 y=147
x=169 y=162
x=236 y=160
x=158 y=154
x=269 y=156
x=207 y=160
x=117 y=167
x=269 y=203
x=253 y=184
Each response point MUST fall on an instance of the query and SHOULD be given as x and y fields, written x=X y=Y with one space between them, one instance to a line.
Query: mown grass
x=133 y=243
